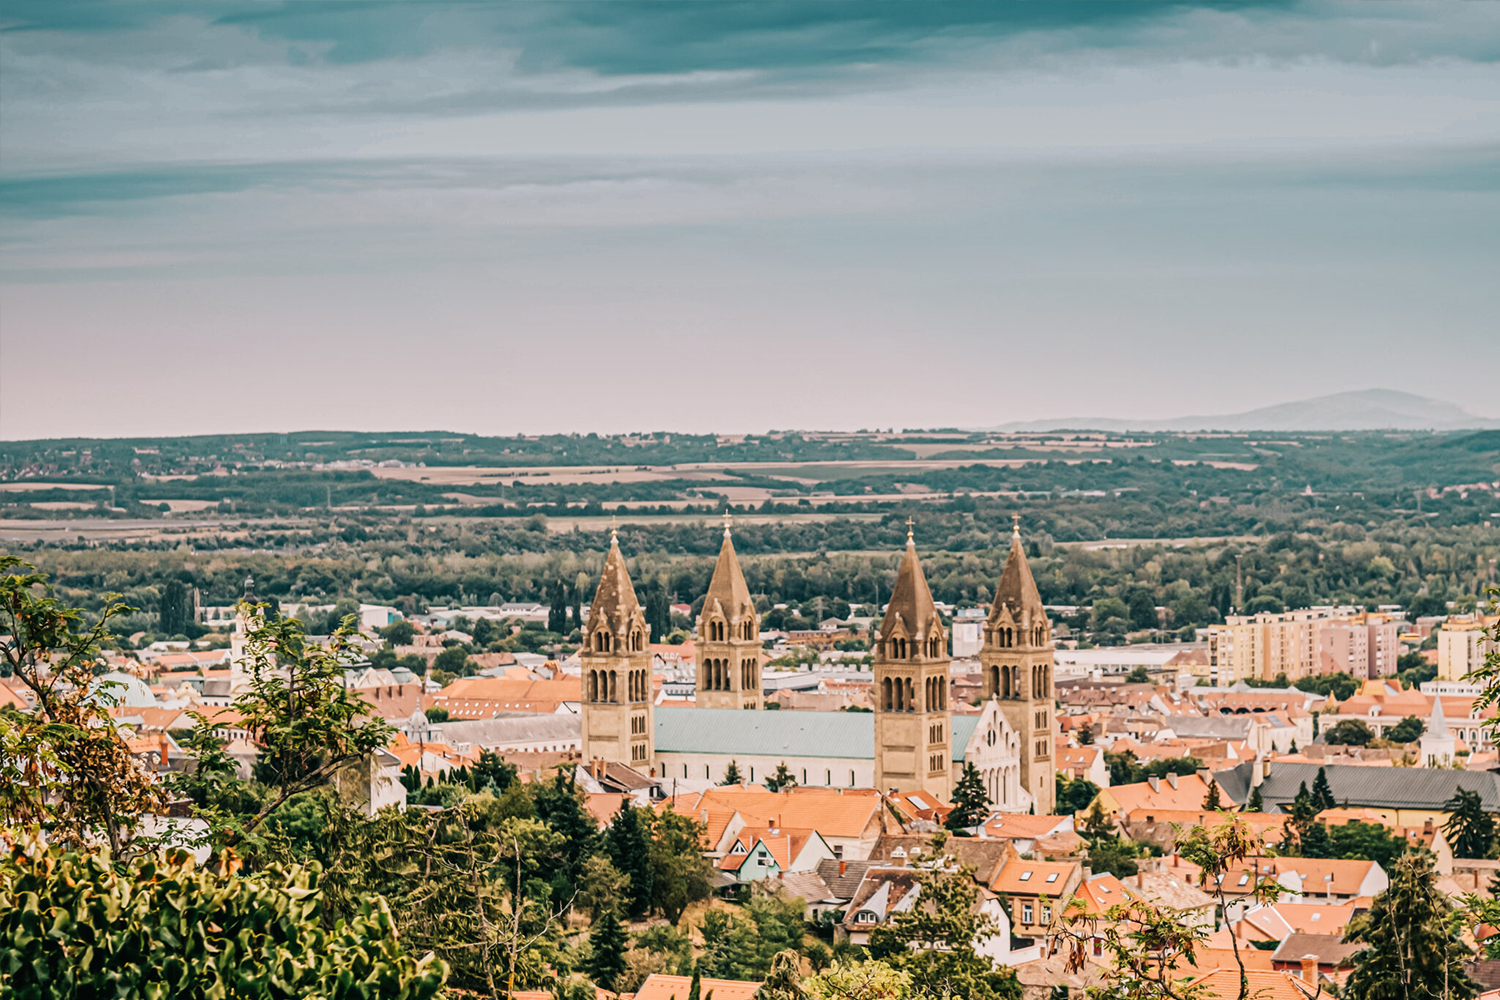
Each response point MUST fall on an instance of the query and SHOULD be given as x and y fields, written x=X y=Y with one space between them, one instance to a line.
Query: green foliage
x=679 y=872
x=1255 y=803
x=436 y=713
x=399 y=632
x=936 y=941
x=79 y=925
x=784 y=979
x=1138 y=676
x=732 y=775
x=859 y=980
x=560 y=804
x=1074 y=794
x=971 y=803
x=607 y=942
x=743 y=945
x=63 y=766
x=1125 y=769
x=1412 y=933
x=1408 y=730
x=1470 y=830
x=628 y=844
x=782 y=778
x=1338 y=686
x=1322 y=793
x=1350 y=732
x=1358 y=841
x=1211 y=800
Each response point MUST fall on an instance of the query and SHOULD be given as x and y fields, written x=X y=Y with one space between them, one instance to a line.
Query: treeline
x=457 y=565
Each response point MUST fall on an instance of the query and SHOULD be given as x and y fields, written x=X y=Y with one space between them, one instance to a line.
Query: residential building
x=1462 y=646
x=1402 y=796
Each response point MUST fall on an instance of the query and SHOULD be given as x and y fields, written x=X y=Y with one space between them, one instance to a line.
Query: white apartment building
x=1461 y=647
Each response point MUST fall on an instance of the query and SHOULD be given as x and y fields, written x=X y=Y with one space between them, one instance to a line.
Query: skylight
x=1052 y=877
x=1025 y=876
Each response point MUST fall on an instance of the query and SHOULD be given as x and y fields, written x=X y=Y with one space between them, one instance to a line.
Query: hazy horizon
x=734 y=217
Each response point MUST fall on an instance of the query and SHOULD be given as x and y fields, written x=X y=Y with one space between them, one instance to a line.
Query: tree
x=399 y=632
x=1315 y=842
x=783 y=778
x=307 y=723
x=1470 y=830
x=64 y=766
x=1322 y=794
x=679 y=872
x=1085 y=736
x=436 y=713
x=557 y=613
x=600 y=887
x=732 y=775
x=1367 y=842
x=1300 y=819
x=1350 y=732
x=657 y=610
x=607 y=944
x=453 y=660
x=1211 y=801
x=936 y=941
x=1255 y=803
x=784 y=980
x=1412 y=933
x=628 y=844
x=560 y=804
x=175 y=611
x=866 y=980
x=1142 y=609
x=971 y=803
x=1148 y=947
x=77 y=924
x=1138 y=676
x=1074 y=794
x=1408 y=730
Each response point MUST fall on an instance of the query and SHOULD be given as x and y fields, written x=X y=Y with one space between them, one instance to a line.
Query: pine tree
x=1302 y=813
x=1256 y=803
x=1211 y=800
x=558 y=805
x=1322 y=794
x=1316 y=842
x=607 y=944
x=971 y=803
x=695 y=988
x=783 y=778
x=173 y=615
x=732 y=775
x=1413 y=937
x=628 y=843
x=1470 y=830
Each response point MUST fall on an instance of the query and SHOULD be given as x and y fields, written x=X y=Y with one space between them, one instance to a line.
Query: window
x=1244 y=879
x=1026 y=913
x=1052 y=877
x=851 y=779
x=1046 y=914
x=827 y=777
x=1026 y=876
x=684 y=770
x=865 y=917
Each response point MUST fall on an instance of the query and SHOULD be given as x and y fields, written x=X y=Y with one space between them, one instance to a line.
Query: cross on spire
x=727 y=518
x=909 y=524
x=1015 y=525
x=613 y=537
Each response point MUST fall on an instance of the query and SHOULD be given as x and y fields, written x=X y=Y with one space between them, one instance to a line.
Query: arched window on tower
x=885 y=695
x=911 y=699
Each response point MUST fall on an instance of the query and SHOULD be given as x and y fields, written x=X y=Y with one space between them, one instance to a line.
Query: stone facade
x=729 y=663
x=1017 y=663
x=913 y=731
x=617 y=722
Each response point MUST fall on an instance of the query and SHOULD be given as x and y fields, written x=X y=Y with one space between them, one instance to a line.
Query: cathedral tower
x=1017 y=664
x=912 y=732
x=729 y=638
x=617 y=723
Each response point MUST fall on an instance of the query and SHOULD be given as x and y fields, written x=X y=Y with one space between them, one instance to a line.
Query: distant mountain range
x=1364 y=410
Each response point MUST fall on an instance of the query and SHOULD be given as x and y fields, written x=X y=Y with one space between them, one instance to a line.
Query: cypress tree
x=1211 y=800
x=695 y=988
x=1256 y=803
x=557 y=614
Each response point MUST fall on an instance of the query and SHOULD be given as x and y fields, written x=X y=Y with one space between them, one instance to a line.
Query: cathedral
x=912 y=742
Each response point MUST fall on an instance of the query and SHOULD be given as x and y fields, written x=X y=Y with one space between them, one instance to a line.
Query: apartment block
x=1265 y=645
x=1462 y=645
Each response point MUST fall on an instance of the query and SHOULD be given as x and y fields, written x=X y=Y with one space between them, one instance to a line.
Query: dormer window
x=866 y=917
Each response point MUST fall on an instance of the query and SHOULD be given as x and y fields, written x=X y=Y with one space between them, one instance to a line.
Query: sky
x=715 y=216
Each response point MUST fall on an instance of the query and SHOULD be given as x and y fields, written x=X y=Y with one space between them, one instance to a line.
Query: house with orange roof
x=482 y=697
x=1048 y=836
x=1380 y=705
x=659 y=986
x=850 y=820
x=1326 y=881
x=1036 y=891
x=920 y=806
x=1280 y=920
x=1081 y=763
x=1224 y=984
x=1165 y=827
x=1142 y=799
x=767 y=852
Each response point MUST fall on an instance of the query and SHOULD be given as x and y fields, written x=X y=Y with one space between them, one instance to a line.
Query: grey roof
x=793 y=734
x=1373 y=787
x=518 y=727
x=1218 y=727
x=843 y=886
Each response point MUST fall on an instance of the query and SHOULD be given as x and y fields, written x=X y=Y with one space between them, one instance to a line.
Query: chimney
x=1203 y=774
x=1140 y=879
x=843 y=867
x=1154 y=782
x=1172 y=780
x=1426 y=824
x=1309 y=969
x=165 y=745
